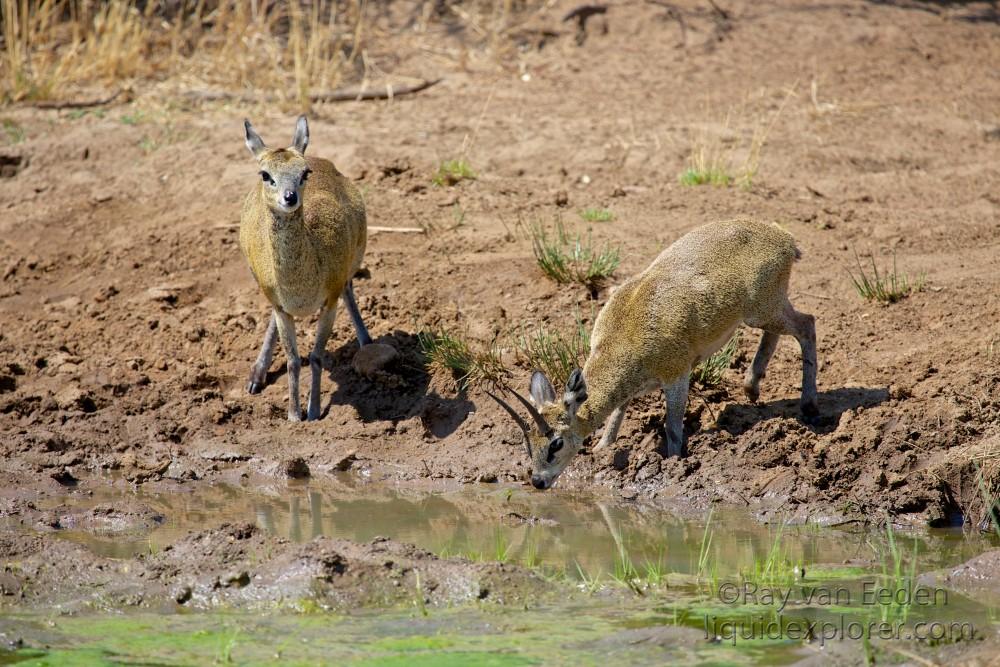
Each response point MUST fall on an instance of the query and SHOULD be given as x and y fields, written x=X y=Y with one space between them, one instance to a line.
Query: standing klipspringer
x=303 y=232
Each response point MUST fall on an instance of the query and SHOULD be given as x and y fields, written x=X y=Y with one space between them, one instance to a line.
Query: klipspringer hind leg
x=286 y=329
x=258 y=372
x=676 y=394
x=758 y=368
x=323 y=329
x=802 y=327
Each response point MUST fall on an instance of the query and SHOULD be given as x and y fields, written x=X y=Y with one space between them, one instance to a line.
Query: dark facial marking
x=554 y=447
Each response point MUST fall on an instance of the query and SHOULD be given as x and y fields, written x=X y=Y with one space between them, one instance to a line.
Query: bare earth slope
x=128 y=320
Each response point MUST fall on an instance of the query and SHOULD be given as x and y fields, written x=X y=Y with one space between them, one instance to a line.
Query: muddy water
x=489 y=522
x=644 y=586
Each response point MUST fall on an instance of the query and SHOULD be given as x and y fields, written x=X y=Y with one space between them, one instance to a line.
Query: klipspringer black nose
x=290 y=198
x=539 y=482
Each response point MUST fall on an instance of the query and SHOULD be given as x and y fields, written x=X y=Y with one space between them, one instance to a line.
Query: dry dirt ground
x=129 y=319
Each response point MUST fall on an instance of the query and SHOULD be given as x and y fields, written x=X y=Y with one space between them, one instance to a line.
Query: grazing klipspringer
x=303 y=232
x=661 y=323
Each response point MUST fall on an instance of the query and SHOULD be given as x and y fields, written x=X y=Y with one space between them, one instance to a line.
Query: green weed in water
x=775 y=568
x=897 y=583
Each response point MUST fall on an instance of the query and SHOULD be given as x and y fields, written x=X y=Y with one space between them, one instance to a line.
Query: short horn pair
x=543 y=427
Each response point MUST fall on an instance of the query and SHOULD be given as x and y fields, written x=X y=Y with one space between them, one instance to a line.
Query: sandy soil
x=129 y=318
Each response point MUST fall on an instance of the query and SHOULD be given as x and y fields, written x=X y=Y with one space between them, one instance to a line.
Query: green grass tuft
x=885 y=287
x=568 y=260
x=710 y=372
x=713 y=175
x=13 y=131
x=592 y=214
x=554 y=353
x=452 y=172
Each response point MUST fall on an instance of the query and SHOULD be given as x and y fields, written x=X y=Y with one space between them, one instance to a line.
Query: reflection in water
x=494 y=522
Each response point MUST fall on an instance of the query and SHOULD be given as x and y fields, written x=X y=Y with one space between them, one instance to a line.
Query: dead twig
x=398 y=230
x=581 y=14
x=348 y=94
x=76 y=104
x=672 y=12
x=371 y=228
x=723 y=14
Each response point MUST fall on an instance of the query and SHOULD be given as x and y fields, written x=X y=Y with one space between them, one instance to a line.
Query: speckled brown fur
x=303 y=232
x=659 y=324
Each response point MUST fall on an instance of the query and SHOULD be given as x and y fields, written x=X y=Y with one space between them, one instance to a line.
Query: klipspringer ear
x=576 y=391
x=541 y=390
x=253 y=140
x=301 y=138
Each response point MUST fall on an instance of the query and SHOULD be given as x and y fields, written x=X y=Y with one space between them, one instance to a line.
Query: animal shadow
x=737 y=418
x=398 y=393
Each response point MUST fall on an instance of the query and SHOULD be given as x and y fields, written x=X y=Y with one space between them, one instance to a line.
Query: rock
x=63 y=476
x=237 y=579
x=373 y=358
x=169 y=293
x=182 y=594
x=74 y=398
x=346 y=461
x=561 y=198
x=296 y=468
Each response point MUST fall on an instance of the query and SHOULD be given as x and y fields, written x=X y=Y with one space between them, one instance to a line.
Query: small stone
x=236 y=579
x=346 y=461
x=296 y=468
x=182 y=594
x=63 y=476
x=373 y=358
x=562 y=198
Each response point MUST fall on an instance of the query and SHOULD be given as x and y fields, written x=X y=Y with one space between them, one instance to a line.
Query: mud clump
x=240 y=566
x=373 y=358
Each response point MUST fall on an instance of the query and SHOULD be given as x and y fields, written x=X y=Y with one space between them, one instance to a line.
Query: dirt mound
x=240 y=566
x=977 y=578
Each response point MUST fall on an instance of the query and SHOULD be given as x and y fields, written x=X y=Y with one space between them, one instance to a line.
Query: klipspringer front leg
x=352 y=308
x=258 y=372
x=676 y=395
x=286 y=329
x=611 y=428
x=323 y=329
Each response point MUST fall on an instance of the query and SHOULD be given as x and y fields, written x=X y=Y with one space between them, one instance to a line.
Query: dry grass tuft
x=713 y=161
x=450 y=354
x=54 y=48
